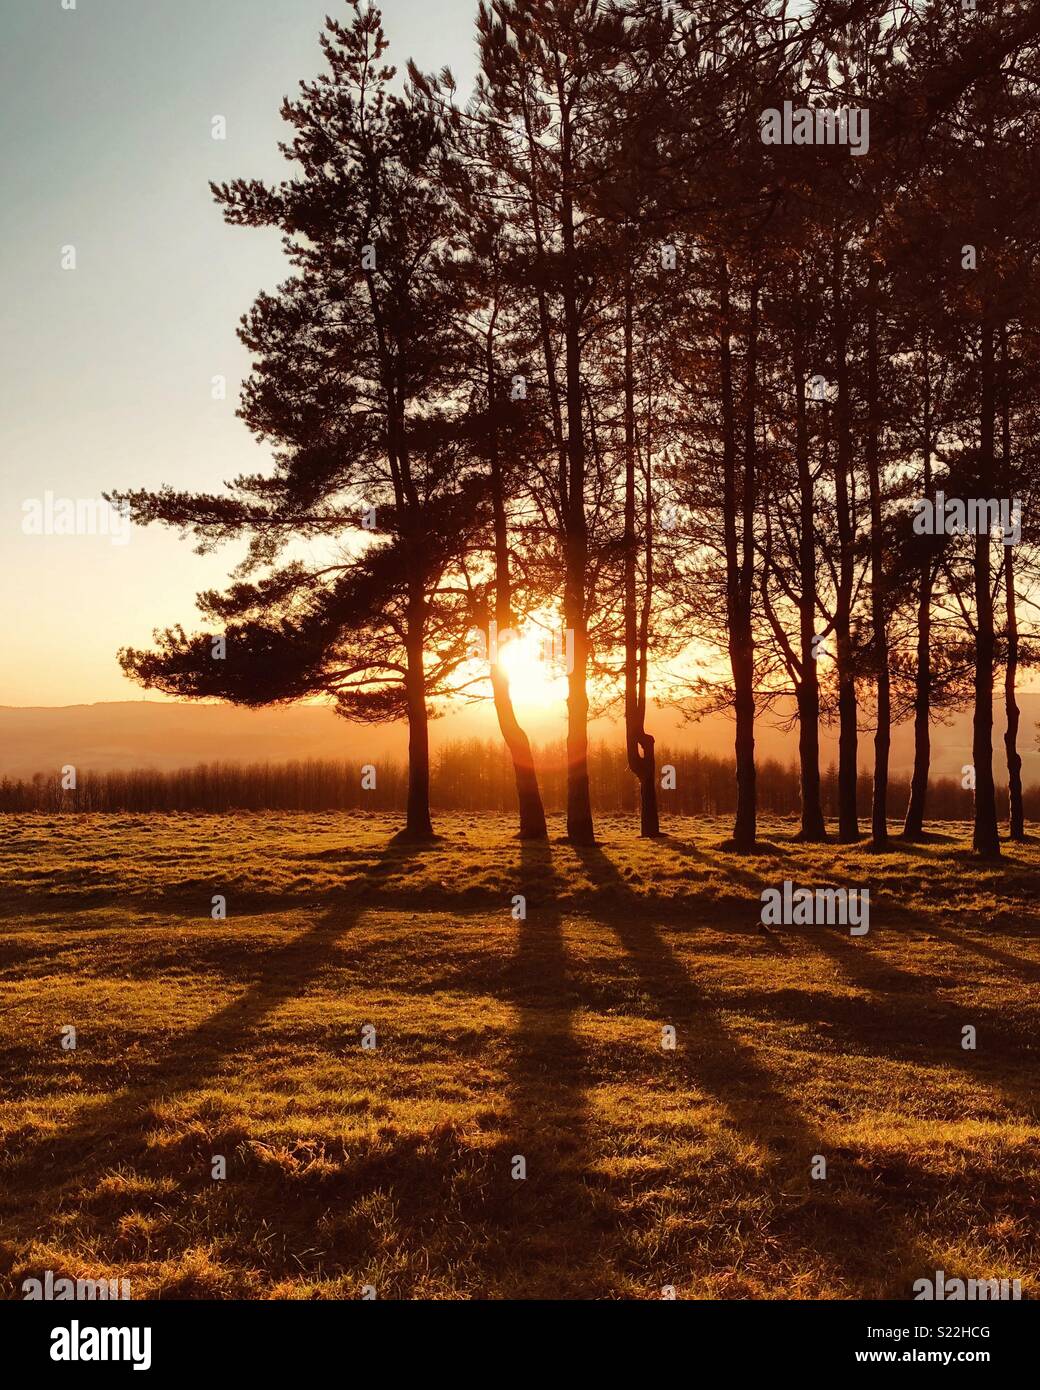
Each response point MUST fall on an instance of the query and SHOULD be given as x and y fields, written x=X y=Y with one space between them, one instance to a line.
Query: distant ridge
x=167 y=734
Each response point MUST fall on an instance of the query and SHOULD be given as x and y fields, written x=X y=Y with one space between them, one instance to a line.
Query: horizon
x=111 y=736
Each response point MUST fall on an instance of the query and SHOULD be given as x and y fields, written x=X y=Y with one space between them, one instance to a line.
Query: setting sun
x=536 y=677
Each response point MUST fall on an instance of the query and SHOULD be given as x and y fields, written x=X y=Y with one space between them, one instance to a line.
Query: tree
x=501 y=431
x=540 y=66
x=356 y=383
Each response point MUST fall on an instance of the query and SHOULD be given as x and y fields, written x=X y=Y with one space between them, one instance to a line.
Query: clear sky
x=106 y=369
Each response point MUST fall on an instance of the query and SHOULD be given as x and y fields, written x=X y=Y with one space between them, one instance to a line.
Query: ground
x=497 y=1037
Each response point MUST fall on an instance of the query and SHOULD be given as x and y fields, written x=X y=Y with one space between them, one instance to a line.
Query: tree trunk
x=913 y=825
x=418 y=824
x=813 y=826
x=738 y=598
x=878 y=603
x=848 y=738
x=639 y=745
x=544 y=326
x=529 y=798
x=986 y=837
x=1016 y=809
x=580 y=829
x=649 y=818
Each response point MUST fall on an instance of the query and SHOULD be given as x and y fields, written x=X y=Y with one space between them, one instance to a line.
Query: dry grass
x=499 y=1037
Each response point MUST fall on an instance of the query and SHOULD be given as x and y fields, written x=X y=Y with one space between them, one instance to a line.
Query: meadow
x=392 y=1166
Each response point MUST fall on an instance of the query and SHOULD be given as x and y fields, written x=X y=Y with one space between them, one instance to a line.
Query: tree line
x=471 y=775
x=639 y=345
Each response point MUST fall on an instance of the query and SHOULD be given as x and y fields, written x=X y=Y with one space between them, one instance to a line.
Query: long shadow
x=880 y=1025
x=115 y=1130
x=1026 y=970
x=732 y=870
x=561 y=1224
x=881 y=1028
x=878 y=1028
x=868 y=970
x=838 y=1219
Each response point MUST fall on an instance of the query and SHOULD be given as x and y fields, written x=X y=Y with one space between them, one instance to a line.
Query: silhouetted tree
x=357 y=367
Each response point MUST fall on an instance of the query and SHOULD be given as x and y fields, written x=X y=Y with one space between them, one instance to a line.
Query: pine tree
x=355 y=384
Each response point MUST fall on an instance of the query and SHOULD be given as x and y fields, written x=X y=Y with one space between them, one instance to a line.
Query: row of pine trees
x=582 y=351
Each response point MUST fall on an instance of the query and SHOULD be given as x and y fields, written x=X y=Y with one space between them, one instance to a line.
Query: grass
x=498 y=1037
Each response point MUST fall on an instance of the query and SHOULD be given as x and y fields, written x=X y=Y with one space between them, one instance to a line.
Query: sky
x=107 y=368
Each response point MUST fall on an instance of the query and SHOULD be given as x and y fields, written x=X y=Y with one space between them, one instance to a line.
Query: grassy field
x=498 y=1037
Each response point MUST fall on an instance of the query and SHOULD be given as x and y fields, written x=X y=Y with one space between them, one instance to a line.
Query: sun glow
x=534 y=678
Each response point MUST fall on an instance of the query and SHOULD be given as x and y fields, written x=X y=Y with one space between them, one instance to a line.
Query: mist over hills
x=169 y=734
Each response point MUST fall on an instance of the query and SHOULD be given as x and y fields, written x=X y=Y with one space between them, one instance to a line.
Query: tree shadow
x=845 y=1221
x=759 y=850
x=559 y=1222
x=926 y=837
x=878 y=1025
x=44 y=1174
x=732 y=869
x=1026 y=970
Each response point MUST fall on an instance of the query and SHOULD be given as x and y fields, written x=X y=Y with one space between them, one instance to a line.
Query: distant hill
x=168 y=734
